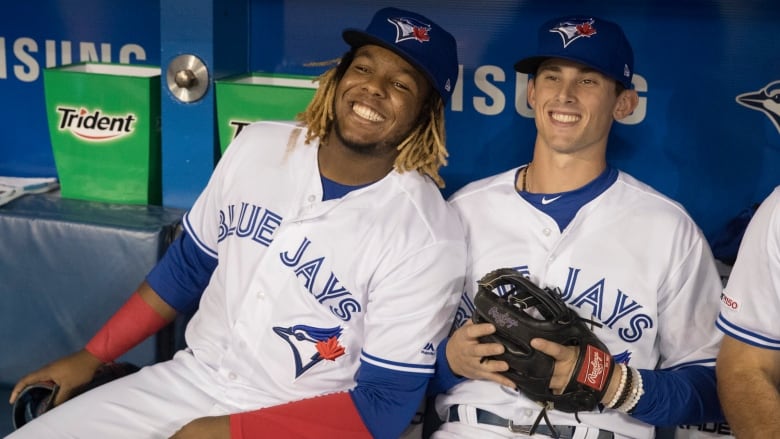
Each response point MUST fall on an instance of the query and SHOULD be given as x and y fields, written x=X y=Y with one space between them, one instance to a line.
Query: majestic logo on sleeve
x=95 y=126
x=311 y=345
x=766 y=100
x=410 y=29
x=571 y=31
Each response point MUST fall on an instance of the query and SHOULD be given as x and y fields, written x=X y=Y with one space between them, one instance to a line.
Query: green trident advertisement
x=104 y=124
x=248 y=98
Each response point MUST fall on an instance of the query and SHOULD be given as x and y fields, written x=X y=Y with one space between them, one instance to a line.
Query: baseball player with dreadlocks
x=324 y=262
x=621 y=254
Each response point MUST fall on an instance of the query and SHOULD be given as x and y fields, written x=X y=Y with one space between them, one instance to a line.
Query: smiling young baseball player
x=620 y=253
x=325 y=264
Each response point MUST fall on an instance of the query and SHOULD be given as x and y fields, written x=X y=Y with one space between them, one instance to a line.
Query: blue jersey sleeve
x=687 y=395
x=182 y=274
x=387 y=399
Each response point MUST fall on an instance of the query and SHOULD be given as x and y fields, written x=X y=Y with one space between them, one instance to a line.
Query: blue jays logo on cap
x=594 y=42
x=418 y=40
x=570 y=31
x=409 y=28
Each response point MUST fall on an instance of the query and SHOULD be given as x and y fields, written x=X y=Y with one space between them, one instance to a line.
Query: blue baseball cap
x=418 y=40
x=597 y=43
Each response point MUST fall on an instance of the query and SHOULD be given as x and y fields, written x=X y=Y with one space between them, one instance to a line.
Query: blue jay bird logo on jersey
x=765 y=100
x=571 y=31
x=410 y=29
x=311 y=345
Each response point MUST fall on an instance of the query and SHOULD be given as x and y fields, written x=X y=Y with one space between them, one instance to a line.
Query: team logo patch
x=571 y=31
x=410 y=29
x=728 y=302
x=765 y=100
x=311 y=345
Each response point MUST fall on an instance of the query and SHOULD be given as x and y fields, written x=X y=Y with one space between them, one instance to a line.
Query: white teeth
x=565 y=118
x=367 y=113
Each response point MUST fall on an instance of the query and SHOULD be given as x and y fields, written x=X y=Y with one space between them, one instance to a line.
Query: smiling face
x=378 y=102
x=574 y=107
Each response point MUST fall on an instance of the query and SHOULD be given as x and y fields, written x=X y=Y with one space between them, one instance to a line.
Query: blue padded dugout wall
x=690 y=138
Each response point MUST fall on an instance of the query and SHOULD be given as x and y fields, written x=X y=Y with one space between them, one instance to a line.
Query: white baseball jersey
x=303 y=291
x=750 y=304
x=631 y=259
x=375 y=274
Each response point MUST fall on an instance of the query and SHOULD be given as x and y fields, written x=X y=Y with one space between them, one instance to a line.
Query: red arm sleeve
x=131 y=324
x=331 y=416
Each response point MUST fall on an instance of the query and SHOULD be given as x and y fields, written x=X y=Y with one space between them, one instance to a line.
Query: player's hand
x=465 y=354
x=68 y=372
x=565 y=362
x=210 y=427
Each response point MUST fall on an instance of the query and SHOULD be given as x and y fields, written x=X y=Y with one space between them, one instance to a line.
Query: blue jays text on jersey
x=250 y=223
x=624 y=316
x=330 y=291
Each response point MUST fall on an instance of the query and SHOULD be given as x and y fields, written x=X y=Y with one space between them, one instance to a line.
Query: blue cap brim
x=357 y=38
x=531 y=64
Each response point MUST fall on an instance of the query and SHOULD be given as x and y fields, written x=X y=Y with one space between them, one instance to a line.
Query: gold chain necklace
x=525 y=175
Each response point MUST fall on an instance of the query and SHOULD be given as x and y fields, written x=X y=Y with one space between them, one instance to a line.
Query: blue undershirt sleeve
x=387 y=399
x=687 y=395
x=182 y=274
x=444 y=379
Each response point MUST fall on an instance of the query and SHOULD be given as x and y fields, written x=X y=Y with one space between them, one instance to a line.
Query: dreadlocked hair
x=423 y=150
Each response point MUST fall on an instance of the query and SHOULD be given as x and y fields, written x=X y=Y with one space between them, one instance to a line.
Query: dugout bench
x=65 y=266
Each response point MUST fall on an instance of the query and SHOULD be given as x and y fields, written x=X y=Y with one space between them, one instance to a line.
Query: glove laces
x=543 y=415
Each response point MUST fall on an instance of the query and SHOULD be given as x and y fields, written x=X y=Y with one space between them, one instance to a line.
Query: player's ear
x=626 y=103
x=530 y=92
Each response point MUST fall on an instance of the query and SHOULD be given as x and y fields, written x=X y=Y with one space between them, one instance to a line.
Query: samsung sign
x=19 y=57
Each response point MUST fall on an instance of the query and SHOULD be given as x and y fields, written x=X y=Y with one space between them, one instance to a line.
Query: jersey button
x=260 y=295
x=312 y=198
x=546 y=231
x=232 y=376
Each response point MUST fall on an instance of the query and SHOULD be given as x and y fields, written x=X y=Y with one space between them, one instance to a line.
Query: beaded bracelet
x=626 y=392
x=636 y=393
x=620 y=388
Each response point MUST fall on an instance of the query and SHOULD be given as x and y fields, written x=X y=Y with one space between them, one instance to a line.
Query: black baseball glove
x=522 y=311
x=36 y=399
